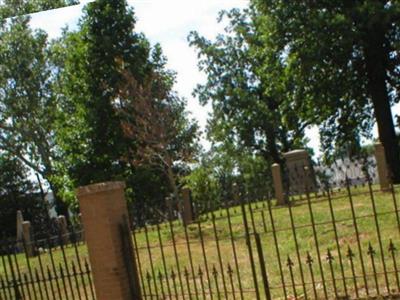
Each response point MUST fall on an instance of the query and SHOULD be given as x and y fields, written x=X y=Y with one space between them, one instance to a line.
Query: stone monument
x=300 y=172
x=27 y=237
x=63 y=229
x=20 y=230
x=278 y=186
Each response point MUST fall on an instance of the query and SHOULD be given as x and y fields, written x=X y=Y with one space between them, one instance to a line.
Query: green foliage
x=12 y=8
x=65 y=105
x=113 y=47
x=248 y=108
x=212 y=181
x=120 y=118
x=205 y=188
x=18 y=193
x=29 y=109
x=343 y=59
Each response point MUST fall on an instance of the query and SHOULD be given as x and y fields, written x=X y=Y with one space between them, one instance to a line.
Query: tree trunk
x=277 y=158
x=172 y=182
x=60 y=206
x=375 y=58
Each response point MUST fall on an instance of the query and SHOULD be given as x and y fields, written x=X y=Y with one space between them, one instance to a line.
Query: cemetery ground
x=161 y=248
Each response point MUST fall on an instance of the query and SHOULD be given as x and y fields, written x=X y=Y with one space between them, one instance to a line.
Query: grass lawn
x=53 y=274
x=259 y=220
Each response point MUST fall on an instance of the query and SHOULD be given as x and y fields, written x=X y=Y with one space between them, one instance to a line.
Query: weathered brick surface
x=103 y=209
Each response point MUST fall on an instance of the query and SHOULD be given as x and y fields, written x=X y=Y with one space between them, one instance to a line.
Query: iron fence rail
x=45 y=269
x=320 y=251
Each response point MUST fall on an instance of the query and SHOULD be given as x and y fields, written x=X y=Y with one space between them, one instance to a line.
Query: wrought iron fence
x=48 y=268
x=337 y=243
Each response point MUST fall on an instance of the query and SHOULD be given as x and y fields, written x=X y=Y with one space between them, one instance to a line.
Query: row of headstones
x=306 y=175
x=24 y=238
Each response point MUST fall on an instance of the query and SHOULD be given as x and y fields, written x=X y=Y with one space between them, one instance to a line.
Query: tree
x=18 y=193
x=156 y=121
x=95 y=59
x=122 y=118
x=225 y=171
x=248 y=111
x=205 y=187
x=344 y=58
x=28 y=106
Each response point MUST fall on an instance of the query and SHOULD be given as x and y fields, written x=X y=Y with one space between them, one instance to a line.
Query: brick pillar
x=278 y=186
x=383 y=172
x=187 y=207
x=27 y=236
x=104 y=213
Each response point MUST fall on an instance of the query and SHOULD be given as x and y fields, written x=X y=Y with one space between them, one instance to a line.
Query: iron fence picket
x=360 y=252
x=30 y=271
x=229 y=263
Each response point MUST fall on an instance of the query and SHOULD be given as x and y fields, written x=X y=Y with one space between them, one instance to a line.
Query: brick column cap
x=99 y=188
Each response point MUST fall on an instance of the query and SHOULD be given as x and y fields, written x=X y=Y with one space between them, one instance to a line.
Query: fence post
x=278 y=187
x=104 y=213
x=187 y=207
x=382 y=167
x=27 y=236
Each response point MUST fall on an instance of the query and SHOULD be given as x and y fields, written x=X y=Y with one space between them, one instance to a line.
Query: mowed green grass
x=54 y=274
x=161 y=251
x=231 y=241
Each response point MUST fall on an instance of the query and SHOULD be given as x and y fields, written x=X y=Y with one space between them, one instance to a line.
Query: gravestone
x=63 y=229
x=27 y=237
x=300 y=172
x=383 y=172
x=20 y=230
x=278 y=186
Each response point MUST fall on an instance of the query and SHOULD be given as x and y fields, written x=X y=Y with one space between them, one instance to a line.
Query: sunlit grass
x=259 y=220
x=185 y=256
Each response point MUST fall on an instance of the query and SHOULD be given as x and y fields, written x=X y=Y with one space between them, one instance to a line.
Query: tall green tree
x=344 y=57
x=247 y=109
x=122 y=120
x=112 y=46
x=28 y=105
x=91 y=64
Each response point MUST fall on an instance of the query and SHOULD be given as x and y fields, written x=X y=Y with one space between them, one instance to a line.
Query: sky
x=169 y=23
